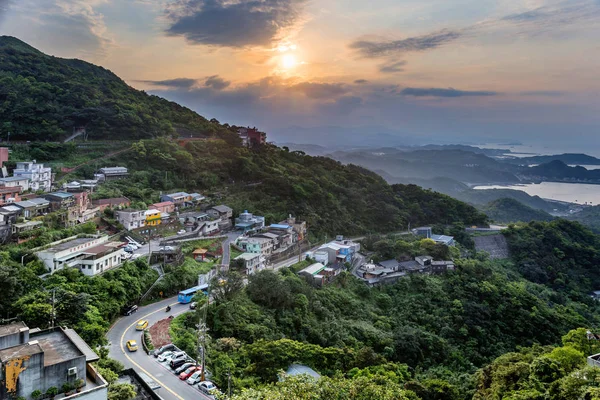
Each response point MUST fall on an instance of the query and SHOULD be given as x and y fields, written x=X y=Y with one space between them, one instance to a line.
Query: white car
x=195 y=378
x=208 y=388
x=181 y=232
x=166 y=356
x=133 y=246
x=135 y=256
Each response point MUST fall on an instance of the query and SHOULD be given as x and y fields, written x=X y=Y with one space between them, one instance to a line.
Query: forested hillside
x=44 y=97
x=273 y=182
x=428 y=334
x=507 y=210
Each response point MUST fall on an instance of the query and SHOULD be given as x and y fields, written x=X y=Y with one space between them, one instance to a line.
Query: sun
x=288 y=61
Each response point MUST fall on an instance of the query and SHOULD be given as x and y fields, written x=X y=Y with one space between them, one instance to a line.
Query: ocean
x=580 y=193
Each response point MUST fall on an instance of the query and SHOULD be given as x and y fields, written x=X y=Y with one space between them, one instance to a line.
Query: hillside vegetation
x=333 y=198
x=507 y=210
x=44 y=97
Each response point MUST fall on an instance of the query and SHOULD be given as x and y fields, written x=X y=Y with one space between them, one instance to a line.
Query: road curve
x=124 y=329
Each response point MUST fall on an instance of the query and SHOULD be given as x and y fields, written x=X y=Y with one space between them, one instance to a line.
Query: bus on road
x=186 y=296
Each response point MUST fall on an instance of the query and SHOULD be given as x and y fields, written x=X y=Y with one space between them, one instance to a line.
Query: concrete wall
x=14 y=339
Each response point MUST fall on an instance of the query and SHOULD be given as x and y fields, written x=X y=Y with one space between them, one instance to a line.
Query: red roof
x=164 y=203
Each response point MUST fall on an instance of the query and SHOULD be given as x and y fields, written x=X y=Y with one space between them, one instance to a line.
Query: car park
x=132 y=345
x=189 y=372
x=165 y=355
x=164 y=348
x=183 y=367
x=141 y=325
x=208 y=388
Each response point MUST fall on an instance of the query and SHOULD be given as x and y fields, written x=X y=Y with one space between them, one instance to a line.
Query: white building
x=14 y=181
x=252 y=262
x=131 y=219
x=92 y=255
x=40 y=177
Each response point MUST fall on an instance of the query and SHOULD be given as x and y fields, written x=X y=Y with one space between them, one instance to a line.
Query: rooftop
x=280 y=226
x=102 y=249
x=39 y=201
x=113 y=201
x=28 y=223
x=162 y=204
x=178 y=194
x=247 y=256
x=69 y=244
x=12 y=208
x=82 y=346
x=27 y=349
x=222 y=208
x=25 y=204
x=11 y=329
x=57 y=346
x=113 y=170
x=313 y=269
x=299 y=369
x=12 y=179
x=63 y=195
x=389 y=263
x=14 y=189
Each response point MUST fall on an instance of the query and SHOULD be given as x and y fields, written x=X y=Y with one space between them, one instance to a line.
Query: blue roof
x=279 y=226
x=64 y=195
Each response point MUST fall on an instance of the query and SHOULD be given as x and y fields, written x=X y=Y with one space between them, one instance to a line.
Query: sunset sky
x=459 y=70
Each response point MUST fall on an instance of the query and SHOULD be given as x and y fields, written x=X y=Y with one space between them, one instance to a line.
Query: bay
x=580 y=193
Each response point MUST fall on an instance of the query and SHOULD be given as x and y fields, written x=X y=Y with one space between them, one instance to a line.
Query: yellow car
x=143 y=324
x=132 y=345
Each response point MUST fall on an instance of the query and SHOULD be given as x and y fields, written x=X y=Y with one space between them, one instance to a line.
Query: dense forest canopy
x=44 y=97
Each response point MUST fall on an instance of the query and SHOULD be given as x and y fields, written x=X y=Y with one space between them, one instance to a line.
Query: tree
x=226 y=287
x=121 y=391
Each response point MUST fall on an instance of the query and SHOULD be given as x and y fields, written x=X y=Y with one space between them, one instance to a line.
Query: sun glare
x=288 y=61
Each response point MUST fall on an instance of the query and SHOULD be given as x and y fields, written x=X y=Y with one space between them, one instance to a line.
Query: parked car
x=132 y=345
x=141 y=325
x=133 y=246
x=183 y=367
x=189 y=372
x=165 y=356
x=128 y=249
x=130 y=309
x=176 y=363
x=179 y=355
x=164 y=348
x=181 y=232
x=194 y=378
x=208 y=388
x=135 y=256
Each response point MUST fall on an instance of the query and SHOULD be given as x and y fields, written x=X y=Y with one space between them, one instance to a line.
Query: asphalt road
x=124 y=329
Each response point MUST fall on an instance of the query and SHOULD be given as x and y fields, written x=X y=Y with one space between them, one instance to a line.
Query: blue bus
x=186 y=296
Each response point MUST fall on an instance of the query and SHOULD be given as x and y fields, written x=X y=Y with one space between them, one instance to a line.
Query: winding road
x=172 y=388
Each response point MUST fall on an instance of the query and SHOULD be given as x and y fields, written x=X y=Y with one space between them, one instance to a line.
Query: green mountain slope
x=44 y=97
x=590 y=217
x=333 y=198
x=507 y=210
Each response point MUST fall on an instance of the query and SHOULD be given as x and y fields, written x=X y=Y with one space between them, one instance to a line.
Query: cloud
x=320 y=90
x=546 y=20
x=216 y=82
x=71 y=28
x=412 y=44
x=233 y=23
x=361 y=81
x=177 y=83
x=441 y=92
x=548 y=93
x=392 y=67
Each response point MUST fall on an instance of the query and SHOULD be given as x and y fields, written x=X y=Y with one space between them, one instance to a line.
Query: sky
x=347 y=72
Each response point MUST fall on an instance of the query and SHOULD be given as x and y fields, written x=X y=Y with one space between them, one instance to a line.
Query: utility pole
x=202 y=339
x=53 y=313
x=229 y=383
